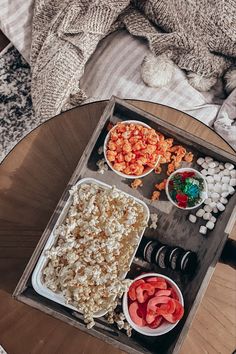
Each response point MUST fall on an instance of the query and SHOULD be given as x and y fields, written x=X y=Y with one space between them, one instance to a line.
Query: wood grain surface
x=32 y=179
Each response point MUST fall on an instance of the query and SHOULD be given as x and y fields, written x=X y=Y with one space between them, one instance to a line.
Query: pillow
x=15 y=22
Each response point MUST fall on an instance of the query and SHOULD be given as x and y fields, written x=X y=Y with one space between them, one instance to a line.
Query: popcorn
x=95 y=244
x=102 y=166
x=100 y=150
x=154 y=219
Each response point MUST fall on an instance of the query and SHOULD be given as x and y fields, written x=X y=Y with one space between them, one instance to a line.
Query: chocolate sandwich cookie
x=188 y=262
x=149 y=250
x=175 y=254
x=161 y=257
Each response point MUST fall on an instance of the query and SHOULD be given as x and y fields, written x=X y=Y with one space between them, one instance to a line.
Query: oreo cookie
x=175 y=254
x=188 y=262
x=161 y=257
x=149 y=250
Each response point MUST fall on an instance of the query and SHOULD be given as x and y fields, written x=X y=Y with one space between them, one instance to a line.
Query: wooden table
x=32 y=179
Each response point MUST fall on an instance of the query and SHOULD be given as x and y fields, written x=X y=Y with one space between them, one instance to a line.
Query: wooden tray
x=173 y=229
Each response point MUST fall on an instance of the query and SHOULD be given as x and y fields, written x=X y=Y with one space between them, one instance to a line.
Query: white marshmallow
x=207 y=201
x=223 y=200
x=192 y=218
x=200 y=213
x=207 y=216
x=203 y=230
x=215 y=210
x=207 y=209
x=215 y=196
x=208 y=159
x=217 y=178
x=200 y=160
x=211 y=171
x=221 y=166
x=218 y=188
x=233 y=173
x=210 y=225
x=229 y=166
x=210 y=187
x=226 y=172
x=231 y=190
x=205 y=165
x=213 y=219
x=204 y=172
x=224 y=187
x=232 y=182
x=212 y=205
x=225 y=194
x=217 y=169
x=220 y=206
x=212 y=164
x=210 y=179
x=225 y=179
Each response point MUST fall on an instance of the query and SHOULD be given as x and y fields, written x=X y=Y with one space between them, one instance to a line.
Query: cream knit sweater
x=198 y=35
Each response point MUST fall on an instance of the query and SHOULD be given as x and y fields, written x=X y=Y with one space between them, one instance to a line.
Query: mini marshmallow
x=207 y=201
x=221 y=166
x=233 y=173
x=212 y=205
x=226 y=173
x=210 y=187
x=225 y=187
x=207 y=209
x=220 y=206
x=212 y=164
x=205 y=165
x=215 y=210
x=225 y=179
x=229 y=166
x=210 y=179
x=221 y=173
x=215 y=196
x=213 y=219
x=225 y=194
x=203 y=230
x=232 y=182
x=217 y=178
x=192 y=218
x=207 y=216
x=204 y=172
x=211 y=171
x=200 y=160
x=200 y=213
x=223 y=200
x=217 y=163
x=217 y=169
x=218 y=188
x=231 y=190
x=208 y=159
x=210 y=225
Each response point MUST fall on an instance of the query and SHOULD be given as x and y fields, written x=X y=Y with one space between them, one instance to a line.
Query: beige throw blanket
x=198 y=35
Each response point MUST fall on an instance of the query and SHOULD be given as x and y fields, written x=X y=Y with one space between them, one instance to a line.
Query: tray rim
x=21 y=286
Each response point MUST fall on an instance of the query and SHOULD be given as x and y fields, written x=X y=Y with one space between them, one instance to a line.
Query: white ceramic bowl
x=109 y=163
x=204 y=192
x=165 y=326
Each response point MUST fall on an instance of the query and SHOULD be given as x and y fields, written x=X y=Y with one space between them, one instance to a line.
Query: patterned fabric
x=16 y=113
x=66 y=33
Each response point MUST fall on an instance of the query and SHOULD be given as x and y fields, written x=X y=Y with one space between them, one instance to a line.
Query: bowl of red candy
x=153 y=304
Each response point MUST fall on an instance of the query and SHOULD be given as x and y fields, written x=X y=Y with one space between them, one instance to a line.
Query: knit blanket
x=198 y=35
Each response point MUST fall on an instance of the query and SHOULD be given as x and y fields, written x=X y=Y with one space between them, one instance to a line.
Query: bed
x=114 y=69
